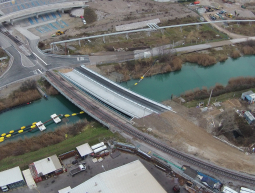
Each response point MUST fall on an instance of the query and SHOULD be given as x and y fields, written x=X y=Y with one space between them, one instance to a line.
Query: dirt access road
x=181 y=133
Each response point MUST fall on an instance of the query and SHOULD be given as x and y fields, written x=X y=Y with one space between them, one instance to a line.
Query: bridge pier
x=181 y=29
x=127 y=36
x=250 y=23
x=11 y=21
x=149 y=33
x=162 y=31
x=104 y=39
x=80 y=43
x=37 y=15
x=197 y=27
x=62 y=10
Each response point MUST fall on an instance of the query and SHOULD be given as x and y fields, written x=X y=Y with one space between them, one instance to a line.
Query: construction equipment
x=58 y=33
x=229 y=15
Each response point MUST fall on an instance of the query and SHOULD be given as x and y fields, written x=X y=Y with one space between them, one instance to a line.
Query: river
x=39 y=110
x=158 y=87
x=161 y=87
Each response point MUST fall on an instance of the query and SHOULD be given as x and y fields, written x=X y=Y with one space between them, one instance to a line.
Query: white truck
x=77 y=170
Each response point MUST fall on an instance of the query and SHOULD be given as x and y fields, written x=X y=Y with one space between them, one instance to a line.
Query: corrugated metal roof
x=132 y=177
x=249 y=116
x=247 y=93
x=228 y=190
x=10 y=176
x=46 y=166
x=29 y=178
x=84 y=149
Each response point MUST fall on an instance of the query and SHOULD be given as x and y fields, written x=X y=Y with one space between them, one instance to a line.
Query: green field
x=90 y=134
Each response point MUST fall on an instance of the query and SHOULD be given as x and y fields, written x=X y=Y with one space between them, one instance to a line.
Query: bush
x=90 y=15
x=223 y=58
x=201 y=59
x=176 y=64
x=41 y=45
x=247 y=50
x=235 y=54
x=28 y=85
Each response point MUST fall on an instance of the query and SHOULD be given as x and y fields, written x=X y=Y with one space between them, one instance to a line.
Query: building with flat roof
x=244 y=94
x=12 y=178
x=132 y=177
x=84 y=150
x=45 y=168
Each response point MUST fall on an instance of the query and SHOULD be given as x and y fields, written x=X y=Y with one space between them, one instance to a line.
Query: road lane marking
x=40 y=59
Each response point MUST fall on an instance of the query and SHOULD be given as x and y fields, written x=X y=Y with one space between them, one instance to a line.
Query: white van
x=4 y=188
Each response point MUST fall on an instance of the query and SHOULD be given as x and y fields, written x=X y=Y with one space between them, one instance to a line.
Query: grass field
x=221 y=98
x=91 y=134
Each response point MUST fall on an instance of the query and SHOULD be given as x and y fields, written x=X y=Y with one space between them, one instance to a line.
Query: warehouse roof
x=84 y=149
x=47 y=165
x=10 y=176
x=132 y=177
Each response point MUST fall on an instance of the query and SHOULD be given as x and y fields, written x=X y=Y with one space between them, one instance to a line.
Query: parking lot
x=52 y=185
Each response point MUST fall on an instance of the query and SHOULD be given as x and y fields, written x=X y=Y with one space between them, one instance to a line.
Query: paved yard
x=52 y=185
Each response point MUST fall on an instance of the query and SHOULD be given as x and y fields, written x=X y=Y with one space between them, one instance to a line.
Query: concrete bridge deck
x=112 y=94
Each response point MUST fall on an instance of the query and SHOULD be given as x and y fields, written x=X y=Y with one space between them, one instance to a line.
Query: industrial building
x=12 y=178
x=45 y=168
x=247 y=95
x=84 y=150
x=249 y=117
x=132 y=177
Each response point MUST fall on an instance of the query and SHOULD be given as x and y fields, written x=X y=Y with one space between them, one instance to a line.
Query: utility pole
x=210 y=98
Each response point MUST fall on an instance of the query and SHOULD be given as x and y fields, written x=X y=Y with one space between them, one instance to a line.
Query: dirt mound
x=190 y=138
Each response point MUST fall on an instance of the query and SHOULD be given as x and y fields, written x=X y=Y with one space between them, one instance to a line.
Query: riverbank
x=19 y=94
x=135 y=69
x=92 y=133
x=25 y=93
x=234 y=85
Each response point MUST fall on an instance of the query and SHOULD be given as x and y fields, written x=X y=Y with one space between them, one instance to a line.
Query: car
x=84 y=21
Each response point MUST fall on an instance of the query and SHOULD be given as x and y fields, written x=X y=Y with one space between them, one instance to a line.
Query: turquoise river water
x=161 y=87
x=158 y=87
x=39 y=110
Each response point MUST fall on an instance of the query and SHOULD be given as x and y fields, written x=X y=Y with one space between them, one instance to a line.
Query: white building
x=12 y=178
x=228 y=190
x=129 y=178
x=84 y=150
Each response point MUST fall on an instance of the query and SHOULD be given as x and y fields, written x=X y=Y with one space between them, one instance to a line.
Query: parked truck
x=77 y=170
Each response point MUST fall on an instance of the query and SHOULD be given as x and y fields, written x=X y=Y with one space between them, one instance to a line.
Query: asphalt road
x=40 y=62
x=122 y=92
x=54 y=61
x=17 y=70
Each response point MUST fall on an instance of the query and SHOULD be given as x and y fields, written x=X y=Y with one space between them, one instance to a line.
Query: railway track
x=15 y=40
x=139 y=135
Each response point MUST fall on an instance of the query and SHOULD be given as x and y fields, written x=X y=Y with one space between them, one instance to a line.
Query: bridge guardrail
x=96 y=118
x=138 y=95
x=108 y=90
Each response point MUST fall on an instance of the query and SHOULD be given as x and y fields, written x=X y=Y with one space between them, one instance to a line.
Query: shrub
x=235 y=54
x=201 y=59
x=247 y=50
x=223 y=58
x=90 y=15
